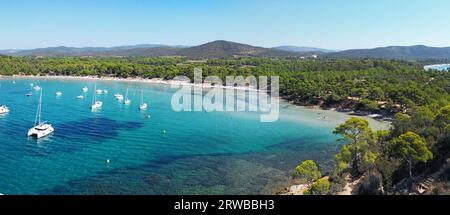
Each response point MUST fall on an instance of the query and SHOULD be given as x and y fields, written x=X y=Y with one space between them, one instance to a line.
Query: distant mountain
x=395 y=52
x=221 y=49
x=227 y=49
x=303 y=49
x=62 y=51
x=216 y=49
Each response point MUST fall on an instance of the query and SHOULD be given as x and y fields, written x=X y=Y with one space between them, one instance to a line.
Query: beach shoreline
x=317 y=109
x=134 y=80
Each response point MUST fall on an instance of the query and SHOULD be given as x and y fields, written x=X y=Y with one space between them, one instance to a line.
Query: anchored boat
x=40 y=129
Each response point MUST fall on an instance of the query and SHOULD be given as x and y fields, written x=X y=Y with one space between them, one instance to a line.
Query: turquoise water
x=200 y=153
x=440 y=67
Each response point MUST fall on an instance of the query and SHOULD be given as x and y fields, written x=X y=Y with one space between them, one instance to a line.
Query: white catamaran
x=40 y=129
x=143 y=105
x=96 y=104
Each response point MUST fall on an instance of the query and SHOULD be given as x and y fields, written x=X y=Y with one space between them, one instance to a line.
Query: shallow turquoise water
x=201 y=153
x=440 y=67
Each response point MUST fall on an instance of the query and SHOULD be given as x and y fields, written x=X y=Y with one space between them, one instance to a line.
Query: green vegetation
x=319 y=187
x=410 y=148
x=308 y=170
x=379 y=86
x=384 y=159
x=356 y=153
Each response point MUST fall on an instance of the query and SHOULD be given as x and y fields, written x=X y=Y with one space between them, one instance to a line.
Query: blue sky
x=333 y=24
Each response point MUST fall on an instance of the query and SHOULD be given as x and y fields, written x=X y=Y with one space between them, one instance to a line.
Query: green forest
x=398 y=160
x=377 y=86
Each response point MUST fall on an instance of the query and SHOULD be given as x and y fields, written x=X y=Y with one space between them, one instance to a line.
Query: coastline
x=135 y=80
x=379 y=125
x=295 y=189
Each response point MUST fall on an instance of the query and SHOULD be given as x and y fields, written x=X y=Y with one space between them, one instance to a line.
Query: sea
x=120 y=149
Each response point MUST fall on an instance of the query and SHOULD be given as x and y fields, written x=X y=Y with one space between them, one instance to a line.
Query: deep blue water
x=201 y=153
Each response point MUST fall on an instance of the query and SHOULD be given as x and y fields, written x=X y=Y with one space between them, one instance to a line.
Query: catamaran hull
x=33 y=132
x=143 y=107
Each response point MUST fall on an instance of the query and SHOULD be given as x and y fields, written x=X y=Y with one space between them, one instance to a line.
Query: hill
x=395 y=52
x=216 y=49
x=303 y=49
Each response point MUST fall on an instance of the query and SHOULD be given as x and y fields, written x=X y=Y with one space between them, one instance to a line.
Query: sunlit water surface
x=199 y=152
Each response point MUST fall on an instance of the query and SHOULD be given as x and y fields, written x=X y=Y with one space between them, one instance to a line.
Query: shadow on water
x=250 y=173
x=78 y=135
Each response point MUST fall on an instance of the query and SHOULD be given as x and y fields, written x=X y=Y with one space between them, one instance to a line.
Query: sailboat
x=127 y=101
x=143 y=105
x=40 y=129
x=96 y=104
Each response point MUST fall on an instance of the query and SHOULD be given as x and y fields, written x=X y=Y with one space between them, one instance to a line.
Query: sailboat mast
x=95 y=91
x=37 y=121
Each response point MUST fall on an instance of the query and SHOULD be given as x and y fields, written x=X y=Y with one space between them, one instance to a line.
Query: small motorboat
x=105 y=91
x=29 y=94
x=4 y=109
x=37 y=88
x=85 y=89
x=118 y=96
x=80 y=97
x=99 y=91
x=59 y=93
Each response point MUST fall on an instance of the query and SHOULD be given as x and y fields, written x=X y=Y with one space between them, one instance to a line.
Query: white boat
x=4 y=109
x=143 y=105
x=96 y=104
x=99 y=91
x=59 y=93
x=105 y=91
x=127 y=101
x=40 y=129
x=31 y=85
x=80 y=97
x=37 y=88
x=118 y=96
x=85 y=89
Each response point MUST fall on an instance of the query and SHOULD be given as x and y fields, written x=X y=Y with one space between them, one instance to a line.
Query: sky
x=331 y=24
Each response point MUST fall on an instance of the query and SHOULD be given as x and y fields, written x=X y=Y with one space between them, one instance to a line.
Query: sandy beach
x=136 y=80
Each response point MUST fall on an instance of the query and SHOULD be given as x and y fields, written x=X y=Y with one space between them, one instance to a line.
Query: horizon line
x=188 y=46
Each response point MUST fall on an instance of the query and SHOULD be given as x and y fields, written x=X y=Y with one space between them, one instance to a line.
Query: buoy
x=164 y=131
x=108 y=161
